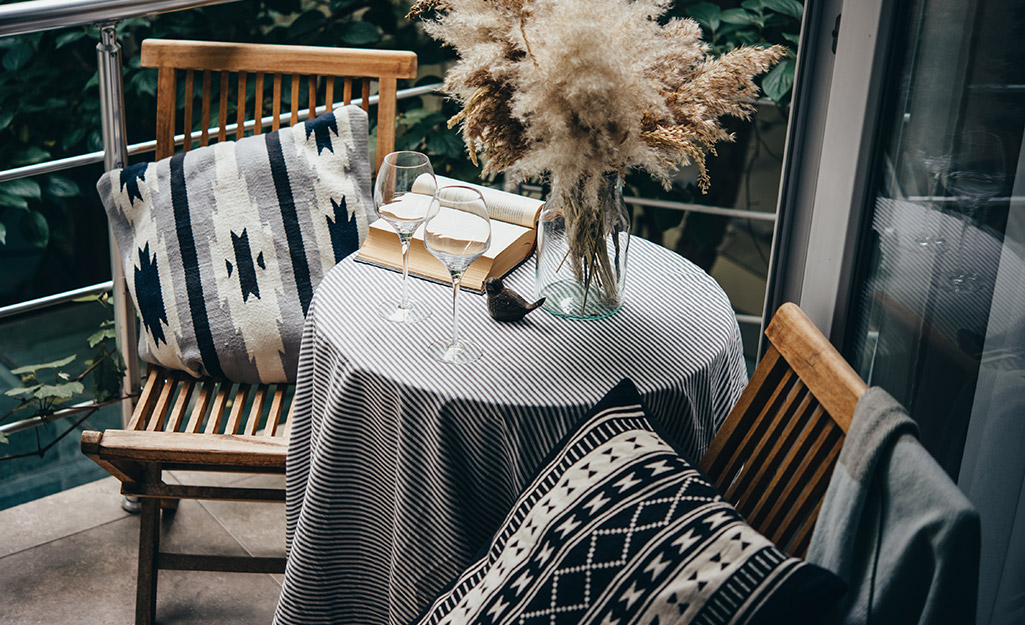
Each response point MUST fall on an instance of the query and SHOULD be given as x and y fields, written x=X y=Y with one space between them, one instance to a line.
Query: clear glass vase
x=583 y=240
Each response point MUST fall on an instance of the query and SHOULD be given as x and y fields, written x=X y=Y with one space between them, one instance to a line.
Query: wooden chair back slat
x=238 y=406
x=165 y=113
x=760 y=440
x=276 y=106
x=274 y=414
x=204 y=129
x=329 y=92
x=147 y=399
x=164 y=399
x=347 y=91
x=203 y=400
x=216 y=418
x=294 y=102
x=778 y=463
x=253 y=422
x=312 y=89
x=365 y=102
x=810 y=497
x=222 y=109
x=258 y=105
x=780 y=442
x=792 y=471
x=749 y=426
x=774 y=455
x=185 y=388
x=722 y=450
x=187 y=119
x=386 y=88
x=240 y=112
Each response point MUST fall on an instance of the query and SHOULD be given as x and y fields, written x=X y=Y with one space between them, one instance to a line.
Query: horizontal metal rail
x=53 y=300
x=736 y=213
x=22 y=18
x=57 y=415
x=148 y=146
x=749 y=319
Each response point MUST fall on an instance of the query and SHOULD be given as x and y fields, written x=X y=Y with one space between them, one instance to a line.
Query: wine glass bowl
x=405 y=196
x=457 y=234
x=979 y=177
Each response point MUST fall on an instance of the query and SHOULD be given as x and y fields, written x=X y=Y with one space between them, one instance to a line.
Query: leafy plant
x=755 y=22
x=46 y=387
x=53 y=233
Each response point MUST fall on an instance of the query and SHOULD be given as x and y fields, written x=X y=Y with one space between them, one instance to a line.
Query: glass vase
x=583 y=240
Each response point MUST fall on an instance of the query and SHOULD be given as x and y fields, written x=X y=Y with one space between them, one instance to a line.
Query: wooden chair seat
x=180 y=422
x=774 y=455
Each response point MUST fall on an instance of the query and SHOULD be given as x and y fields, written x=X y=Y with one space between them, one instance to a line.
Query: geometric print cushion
x=223 y=245
x=619 y=529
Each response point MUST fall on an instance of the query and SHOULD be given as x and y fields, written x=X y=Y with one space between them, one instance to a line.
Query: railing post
x=115 y=155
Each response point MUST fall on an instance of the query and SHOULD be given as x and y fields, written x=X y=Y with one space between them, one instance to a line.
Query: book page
x=503 y=234
x=502 y=205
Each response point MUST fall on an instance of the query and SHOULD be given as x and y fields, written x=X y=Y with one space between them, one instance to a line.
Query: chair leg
x=149 y=546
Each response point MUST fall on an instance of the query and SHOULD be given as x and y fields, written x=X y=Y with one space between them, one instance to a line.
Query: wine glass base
x=963 y=282
x=413 y=312
x=461 y=352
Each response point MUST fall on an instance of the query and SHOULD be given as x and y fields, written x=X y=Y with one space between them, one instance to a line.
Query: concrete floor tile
x=54 y=517
x=89 y=577
x=258 y=527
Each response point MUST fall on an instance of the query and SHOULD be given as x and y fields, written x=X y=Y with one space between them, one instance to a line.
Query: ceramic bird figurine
x=506 y=305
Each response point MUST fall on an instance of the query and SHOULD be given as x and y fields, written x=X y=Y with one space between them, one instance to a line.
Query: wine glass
x=936 y=164
x=458 y=234
x=405 y=195
x=980 y=179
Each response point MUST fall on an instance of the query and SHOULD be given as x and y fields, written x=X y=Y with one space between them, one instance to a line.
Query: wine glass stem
x=457 y=279
x=967 y=216
x=404 y=302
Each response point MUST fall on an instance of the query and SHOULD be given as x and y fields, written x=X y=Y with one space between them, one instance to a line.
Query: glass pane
x=940 y=215
x=939 y=311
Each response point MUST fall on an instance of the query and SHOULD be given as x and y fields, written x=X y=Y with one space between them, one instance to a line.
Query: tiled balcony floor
x=72 y=557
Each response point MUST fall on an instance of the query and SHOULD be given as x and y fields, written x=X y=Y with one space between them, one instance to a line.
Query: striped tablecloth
x=401 y=467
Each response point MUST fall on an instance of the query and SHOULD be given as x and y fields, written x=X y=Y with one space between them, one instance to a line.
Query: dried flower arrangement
x=573 y=89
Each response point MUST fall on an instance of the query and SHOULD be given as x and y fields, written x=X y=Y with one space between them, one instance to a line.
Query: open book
x=513 y=236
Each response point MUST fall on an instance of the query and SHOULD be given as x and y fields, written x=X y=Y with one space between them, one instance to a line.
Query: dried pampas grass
x=574 y=89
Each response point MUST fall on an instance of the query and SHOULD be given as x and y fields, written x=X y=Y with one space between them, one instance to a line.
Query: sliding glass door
x=936 y=306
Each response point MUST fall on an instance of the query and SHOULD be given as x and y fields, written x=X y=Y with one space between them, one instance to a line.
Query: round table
x=401 y=467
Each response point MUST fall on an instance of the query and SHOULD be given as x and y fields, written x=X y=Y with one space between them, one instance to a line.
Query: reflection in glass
x=945 y=332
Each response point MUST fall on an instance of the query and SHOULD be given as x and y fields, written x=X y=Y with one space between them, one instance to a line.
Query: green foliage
x=753 y=23
x=45 y=387
x=49 y=107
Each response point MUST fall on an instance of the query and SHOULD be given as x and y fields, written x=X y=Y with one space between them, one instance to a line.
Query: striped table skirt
x=401 y=467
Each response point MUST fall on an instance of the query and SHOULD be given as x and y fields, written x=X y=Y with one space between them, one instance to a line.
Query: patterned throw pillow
x=619 y=529
x=222 y=246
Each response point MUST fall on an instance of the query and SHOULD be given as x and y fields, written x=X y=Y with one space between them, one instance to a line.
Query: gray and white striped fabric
x=400 y=468
x=222 y=246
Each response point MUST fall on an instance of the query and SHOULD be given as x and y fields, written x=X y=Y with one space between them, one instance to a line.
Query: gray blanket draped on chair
x=895 y=527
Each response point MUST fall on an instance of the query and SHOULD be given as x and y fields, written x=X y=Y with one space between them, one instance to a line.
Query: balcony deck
x=71 y=558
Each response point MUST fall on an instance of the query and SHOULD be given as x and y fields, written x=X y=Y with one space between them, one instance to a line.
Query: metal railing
x=22 y=18
x=38 y=15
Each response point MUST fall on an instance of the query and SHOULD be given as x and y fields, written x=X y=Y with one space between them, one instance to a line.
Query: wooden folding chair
x=774 y=455
x=214 y=425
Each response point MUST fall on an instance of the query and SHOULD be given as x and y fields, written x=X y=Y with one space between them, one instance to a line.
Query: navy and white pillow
x=619 y=529
x=222 y=246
